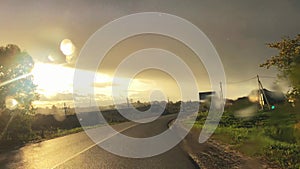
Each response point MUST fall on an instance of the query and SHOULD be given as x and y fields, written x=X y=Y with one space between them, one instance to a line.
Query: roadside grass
x=37 y=136
x=50 y=134
x=60 y=132
x=272 y=135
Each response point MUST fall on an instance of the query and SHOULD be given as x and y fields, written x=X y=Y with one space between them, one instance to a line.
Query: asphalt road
x=78 y=151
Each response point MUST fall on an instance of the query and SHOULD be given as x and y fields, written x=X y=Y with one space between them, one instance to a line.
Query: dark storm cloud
x=238 y=29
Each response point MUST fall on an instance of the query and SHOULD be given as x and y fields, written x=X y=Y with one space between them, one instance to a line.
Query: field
x=272 y=135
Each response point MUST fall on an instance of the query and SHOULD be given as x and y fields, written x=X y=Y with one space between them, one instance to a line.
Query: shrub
x=286 y=155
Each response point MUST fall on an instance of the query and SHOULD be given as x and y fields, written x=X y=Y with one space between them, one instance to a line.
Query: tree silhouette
x=16 y=86
x=287 y=61
x=15 y=64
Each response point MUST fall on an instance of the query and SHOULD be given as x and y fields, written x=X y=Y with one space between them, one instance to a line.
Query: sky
x=239 y=30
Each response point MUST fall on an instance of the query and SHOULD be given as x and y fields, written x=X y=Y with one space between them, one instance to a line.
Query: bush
x=274 y=135
x=281 y=133
x=234 y=136
x=19 y=129
x=286 y=155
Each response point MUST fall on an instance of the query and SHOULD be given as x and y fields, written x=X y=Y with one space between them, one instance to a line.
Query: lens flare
x=50 y=58
x=246 y=113
x=11 y=103
x=67 y=47
x=15 y=79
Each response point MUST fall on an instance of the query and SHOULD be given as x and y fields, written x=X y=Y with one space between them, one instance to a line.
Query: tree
x=15 y=64
x=16 y=84
x=287 y=61
x=54 y=109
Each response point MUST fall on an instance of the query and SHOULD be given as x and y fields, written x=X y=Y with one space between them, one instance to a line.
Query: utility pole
x=90 y=100
x=221 y=91
x=221 y=95
x=262 y=92
x=65 y=108
x=127 y=102
x=259 y=93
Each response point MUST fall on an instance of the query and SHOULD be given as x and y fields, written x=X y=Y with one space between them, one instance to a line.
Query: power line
x=242 y=81
x=272 y=77
x=246 y=80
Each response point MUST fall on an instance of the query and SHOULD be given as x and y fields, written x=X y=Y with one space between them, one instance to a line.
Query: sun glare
x=52 y=79
x=67 y=47
x=11 y=103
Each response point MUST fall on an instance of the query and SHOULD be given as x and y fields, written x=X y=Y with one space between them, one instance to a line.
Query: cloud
x=104 y=84
x=238 y=29
x=59 y=97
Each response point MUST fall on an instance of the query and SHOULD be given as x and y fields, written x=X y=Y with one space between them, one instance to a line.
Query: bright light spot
x=56 y=82
x=69 y=59
x=67 y=47
x=253 y=98
x=50 y=58
x=272 y=107
x=11 y=103
x=52 y=79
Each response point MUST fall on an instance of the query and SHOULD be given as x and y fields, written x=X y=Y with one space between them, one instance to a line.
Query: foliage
x=20 y=128
x=274 y=135
x=14 y=64
x=287 y=61
x=49 y=134
x=16 y=83
x=287 y=155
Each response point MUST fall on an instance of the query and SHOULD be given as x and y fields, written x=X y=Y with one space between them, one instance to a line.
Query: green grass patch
x=272 y=135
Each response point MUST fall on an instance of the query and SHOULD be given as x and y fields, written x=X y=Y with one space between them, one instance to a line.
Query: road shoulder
x=213 y=154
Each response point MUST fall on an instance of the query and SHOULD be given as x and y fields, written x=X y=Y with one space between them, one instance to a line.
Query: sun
x=52 y=79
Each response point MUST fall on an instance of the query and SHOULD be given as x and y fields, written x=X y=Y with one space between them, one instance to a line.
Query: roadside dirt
x=214 y=155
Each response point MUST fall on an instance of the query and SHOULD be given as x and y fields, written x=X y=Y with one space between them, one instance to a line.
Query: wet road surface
x=79 y=151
